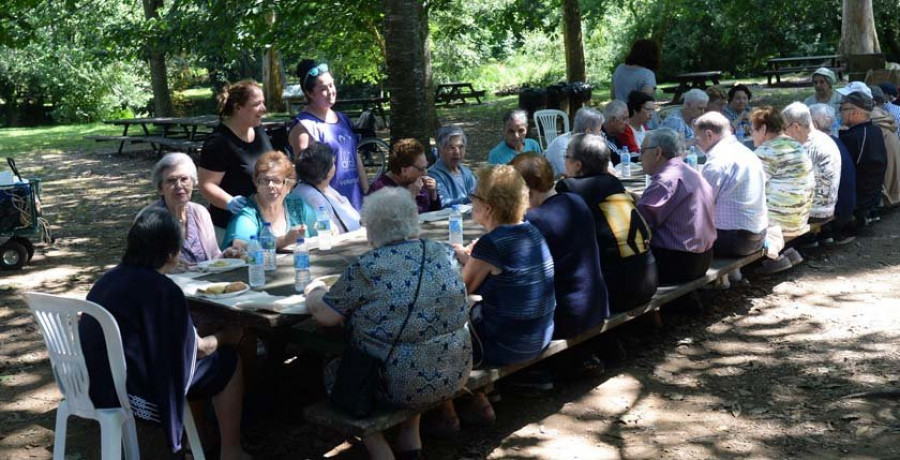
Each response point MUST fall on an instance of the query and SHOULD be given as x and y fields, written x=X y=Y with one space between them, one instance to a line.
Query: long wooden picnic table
x=180 y=133
x=779 y=66
x=687 y=81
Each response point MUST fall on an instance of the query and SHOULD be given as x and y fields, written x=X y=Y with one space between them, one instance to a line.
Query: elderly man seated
x=825 y=157
x=679 y=208
x=454 y=180
x=890 y=94
x=823 y=81
x=680 y=121
x=587 y=121
x=888 y=126
x=833 y=233
x=866 y=146
x=738 y=183
x=619 y=137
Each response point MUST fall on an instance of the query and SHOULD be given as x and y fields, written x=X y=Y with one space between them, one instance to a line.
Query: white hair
x=171 y=161
x=616 y=109
x=667 y=140
x=587 y=118
x=797 y=112
x=713 y=121
x=695 y=96
x=389 y=215
x=822 y=116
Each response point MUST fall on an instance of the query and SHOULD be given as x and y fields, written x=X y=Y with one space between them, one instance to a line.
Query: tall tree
x=156 y=58
x=273 y=74
x=574 y=43
x=858 y=34
x=408 y=57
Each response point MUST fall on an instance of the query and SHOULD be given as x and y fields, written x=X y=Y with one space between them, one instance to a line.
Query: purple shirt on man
x=679 y=209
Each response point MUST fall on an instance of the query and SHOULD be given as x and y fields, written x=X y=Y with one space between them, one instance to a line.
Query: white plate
x=220 y=296
x=221 y=265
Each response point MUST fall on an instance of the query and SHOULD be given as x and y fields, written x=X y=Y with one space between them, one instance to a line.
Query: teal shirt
x=502 y=154
x=249 y=221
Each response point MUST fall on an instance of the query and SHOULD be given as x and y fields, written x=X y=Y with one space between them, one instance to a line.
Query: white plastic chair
x=58 y=319
x=547 y=125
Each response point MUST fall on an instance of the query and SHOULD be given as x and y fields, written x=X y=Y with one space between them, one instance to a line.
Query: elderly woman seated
x=738 y=109
x=315 y=168
x=587 y=121
x=175 y=177
x=515 y=138
x=407 y=168
x=454 y=180
x=160 y=340
x=641 y=107
x=511 y=268
x=432 y=355
x=679 y=208
x=289 y=216
x=560 y=217
x=622 y=235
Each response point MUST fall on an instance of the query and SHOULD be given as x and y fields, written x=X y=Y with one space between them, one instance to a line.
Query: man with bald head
x=738 y=182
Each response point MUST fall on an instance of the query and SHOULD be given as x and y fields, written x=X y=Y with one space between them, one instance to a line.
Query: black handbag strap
x=411 y=305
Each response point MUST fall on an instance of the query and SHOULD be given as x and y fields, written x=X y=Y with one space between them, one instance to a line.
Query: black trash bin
x=532 y=99
x=579 y=91
x=558 y=97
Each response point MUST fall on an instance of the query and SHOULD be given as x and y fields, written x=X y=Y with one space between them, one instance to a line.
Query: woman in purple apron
x=317 y=122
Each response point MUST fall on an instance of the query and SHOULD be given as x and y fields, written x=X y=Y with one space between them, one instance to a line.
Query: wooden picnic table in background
x=687 y=81
x=456 y=93
x=178 y=133
x=779 y=66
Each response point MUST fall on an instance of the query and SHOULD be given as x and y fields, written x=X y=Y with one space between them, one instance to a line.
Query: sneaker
x=772 y=266
x=793 y=256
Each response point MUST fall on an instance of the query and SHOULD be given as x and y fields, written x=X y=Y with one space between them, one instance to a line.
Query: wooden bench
x=456 y=93
x=322 y=413
x=687 y=81
x=776 y=67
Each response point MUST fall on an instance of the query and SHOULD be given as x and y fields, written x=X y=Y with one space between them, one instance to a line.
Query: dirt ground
x=756 y=371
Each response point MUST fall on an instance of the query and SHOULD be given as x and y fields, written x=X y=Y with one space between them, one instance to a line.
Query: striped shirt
x=679 y=208
x=789 y=184
x=738 y=185
x=514 y=321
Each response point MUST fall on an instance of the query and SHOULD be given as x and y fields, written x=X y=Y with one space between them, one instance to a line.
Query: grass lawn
x=18 y=141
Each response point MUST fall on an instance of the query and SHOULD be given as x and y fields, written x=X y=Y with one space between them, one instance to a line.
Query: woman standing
x=638 y=71
x=317 y=122
x=230 y=152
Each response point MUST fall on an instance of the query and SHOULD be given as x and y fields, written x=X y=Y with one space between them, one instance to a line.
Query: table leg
x=122 y=142
x=247 y=352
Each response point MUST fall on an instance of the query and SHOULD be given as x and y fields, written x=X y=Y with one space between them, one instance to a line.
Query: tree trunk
x=156 y=59
x=273 y=74
x=408 y=60
x=574 y=43
x=858 y=34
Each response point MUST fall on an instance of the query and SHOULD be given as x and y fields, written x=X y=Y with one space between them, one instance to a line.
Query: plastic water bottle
x=740 y=134
x=301 y=265
x=257 y=272
x=323 y=227
x=456 y=225
x=625 y=158
x=267 y=241
x=691 y=157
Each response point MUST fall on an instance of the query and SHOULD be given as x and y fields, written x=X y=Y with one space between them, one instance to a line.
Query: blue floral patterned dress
x=433 y=357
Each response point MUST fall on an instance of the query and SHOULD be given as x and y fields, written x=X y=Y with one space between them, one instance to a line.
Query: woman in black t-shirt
x=230 y=152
